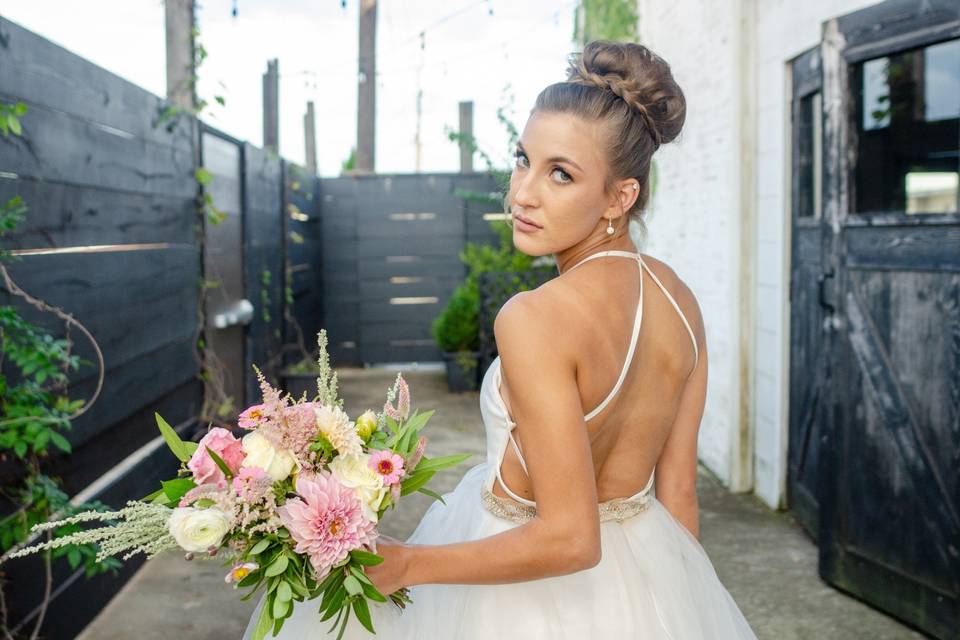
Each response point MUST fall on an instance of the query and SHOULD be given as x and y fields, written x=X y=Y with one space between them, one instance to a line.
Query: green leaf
x=15 y=126
x=284 y=592
x=366 y=558
x=264 y=623
x=148 y=498
x=336 y=602
x=363 y=613
x=352 y=585
x=360 y=575
x=432 y=494
x=176 y=489
x=277 y=567
x=441 y=462
x=280 y=608
x=203 y=176
x=173 y=440
x=371 y=592
x=414 y=482
x=260 y=547
x=61 y=443
x=220 y=463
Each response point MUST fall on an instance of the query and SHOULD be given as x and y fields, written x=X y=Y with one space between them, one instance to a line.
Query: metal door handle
x=821 y=282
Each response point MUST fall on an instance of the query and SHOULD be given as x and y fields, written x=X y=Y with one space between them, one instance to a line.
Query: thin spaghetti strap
x=638 y=319
x=696 y=352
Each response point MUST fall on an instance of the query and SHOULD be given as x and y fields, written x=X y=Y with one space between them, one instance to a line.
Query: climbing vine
x=35 y=413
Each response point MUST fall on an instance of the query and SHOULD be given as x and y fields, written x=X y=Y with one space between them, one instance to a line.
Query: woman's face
x=557 y=184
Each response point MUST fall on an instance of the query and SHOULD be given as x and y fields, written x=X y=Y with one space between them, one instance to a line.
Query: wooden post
x=466 y=136
x=367 y=89
x=310 y=135
x=181 y=88
x=271 y=107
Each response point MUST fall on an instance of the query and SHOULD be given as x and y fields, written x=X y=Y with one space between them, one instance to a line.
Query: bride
x=558 y=534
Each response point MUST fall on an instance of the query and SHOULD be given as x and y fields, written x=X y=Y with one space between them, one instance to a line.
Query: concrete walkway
x=765 y=560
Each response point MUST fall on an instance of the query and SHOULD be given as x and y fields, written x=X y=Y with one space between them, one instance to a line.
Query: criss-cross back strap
x=638 y=319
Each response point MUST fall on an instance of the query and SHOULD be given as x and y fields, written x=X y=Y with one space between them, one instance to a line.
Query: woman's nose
x=524 y=194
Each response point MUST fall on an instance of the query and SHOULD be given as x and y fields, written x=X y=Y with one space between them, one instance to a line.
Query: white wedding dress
x=654 y=580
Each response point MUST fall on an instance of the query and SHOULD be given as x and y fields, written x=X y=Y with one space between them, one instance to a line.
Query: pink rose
x=224 y=445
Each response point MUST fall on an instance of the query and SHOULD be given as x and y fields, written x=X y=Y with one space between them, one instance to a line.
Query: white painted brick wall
x=692 y=222
x=695 y=216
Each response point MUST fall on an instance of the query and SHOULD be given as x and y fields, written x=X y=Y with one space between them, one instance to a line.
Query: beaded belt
x=618 y=509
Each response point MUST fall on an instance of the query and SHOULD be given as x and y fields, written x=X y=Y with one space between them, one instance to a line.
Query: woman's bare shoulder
x=550 y=310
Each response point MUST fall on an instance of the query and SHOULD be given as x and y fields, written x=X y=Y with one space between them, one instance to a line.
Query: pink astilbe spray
x=402 y=409
x=270 y=413
x=326 y=521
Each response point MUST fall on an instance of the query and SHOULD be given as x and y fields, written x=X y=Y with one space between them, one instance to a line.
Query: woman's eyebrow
x=554 y=158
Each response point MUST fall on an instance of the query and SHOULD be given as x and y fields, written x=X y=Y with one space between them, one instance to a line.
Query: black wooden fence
x=390 y=259
x=110 y=226
x=116 y=236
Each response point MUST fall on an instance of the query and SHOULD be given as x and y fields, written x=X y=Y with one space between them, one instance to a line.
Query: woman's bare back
x=595 y=305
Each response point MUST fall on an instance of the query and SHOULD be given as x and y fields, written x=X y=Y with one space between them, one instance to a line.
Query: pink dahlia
x=221 y=442
x=326 y=521
x=387 y=464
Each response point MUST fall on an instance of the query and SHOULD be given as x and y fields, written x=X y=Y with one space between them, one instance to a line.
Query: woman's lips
x=525 y=225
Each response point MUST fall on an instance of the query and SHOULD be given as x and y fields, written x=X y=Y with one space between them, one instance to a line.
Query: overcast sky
x=474 y=50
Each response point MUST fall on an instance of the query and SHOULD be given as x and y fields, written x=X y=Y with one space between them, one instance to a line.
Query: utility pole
x=310 y=135
x=181 y=88
x=271 y=107
x=466 y=136
x=416 y=138
x=367 y=88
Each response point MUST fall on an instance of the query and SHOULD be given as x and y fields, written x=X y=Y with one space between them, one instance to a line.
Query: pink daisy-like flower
x=387 y=464
x=252 y=417
x=326 y=521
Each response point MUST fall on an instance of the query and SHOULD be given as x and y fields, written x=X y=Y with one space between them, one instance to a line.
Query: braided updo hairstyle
x=631 y=91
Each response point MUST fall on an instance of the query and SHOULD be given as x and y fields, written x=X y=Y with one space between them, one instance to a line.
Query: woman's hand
x=391 y=574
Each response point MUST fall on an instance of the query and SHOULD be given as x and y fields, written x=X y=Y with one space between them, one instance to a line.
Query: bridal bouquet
x=292 y=506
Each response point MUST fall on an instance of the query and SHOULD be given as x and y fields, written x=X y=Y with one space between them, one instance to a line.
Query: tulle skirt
x=654 y=581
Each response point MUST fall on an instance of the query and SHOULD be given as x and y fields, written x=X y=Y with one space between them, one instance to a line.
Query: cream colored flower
x=338 y=429
x=355 y=472
x=198 y=529
x=260 y=453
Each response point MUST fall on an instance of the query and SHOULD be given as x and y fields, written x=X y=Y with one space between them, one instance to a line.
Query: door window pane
x=809 y=153
x=908 y=131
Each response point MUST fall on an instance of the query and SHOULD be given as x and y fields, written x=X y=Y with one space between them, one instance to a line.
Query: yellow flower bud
x=366 y=424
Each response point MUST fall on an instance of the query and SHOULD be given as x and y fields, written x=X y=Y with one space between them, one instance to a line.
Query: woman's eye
x=517 y=155
x=566 y=175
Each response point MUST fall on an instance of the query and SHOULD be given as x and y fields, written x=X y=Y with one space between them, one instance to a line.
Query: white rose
x=198 y=529
x=259 y=452
x=354 y=471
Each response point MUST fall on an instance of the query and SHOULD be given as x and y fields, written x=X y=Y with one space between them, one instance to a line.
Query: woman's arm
x=564 y=537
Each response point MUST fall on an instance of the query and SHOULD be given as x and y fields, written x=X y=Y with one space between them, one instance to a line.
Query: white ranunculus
x=354 y=471
x=259 y=452
x=198 y=529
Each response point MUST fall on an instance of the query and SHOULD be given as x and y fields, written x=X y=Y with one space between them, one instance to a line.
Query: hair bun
x=639 y=77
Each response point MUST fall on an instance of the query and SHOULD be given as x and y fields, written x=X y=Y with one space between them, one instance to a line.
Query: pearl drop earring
x=609 y=226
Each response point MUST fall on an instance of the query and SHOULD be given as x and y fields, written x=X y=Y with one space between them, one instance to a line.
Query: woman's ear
x=625 y=197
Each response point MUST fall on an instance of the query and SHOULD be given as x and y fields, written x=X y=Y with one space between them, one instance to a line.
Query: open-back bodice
x=499 y=425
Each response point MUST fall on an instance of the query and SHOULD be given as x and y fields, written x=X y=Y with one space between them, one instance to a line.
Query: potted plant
x=457 y=334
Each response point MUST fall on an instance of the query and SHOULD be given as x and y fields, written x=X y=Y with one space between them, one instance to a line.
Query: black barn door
x=889 y=464
x=809 y=279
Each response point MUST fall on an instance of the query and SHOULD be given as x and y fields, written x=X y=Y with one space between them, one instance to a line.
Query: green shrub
x=457 y=326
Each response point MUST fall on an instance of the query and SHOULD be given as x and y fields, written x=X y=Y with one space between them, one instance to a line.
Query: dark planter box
x=462 y=370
